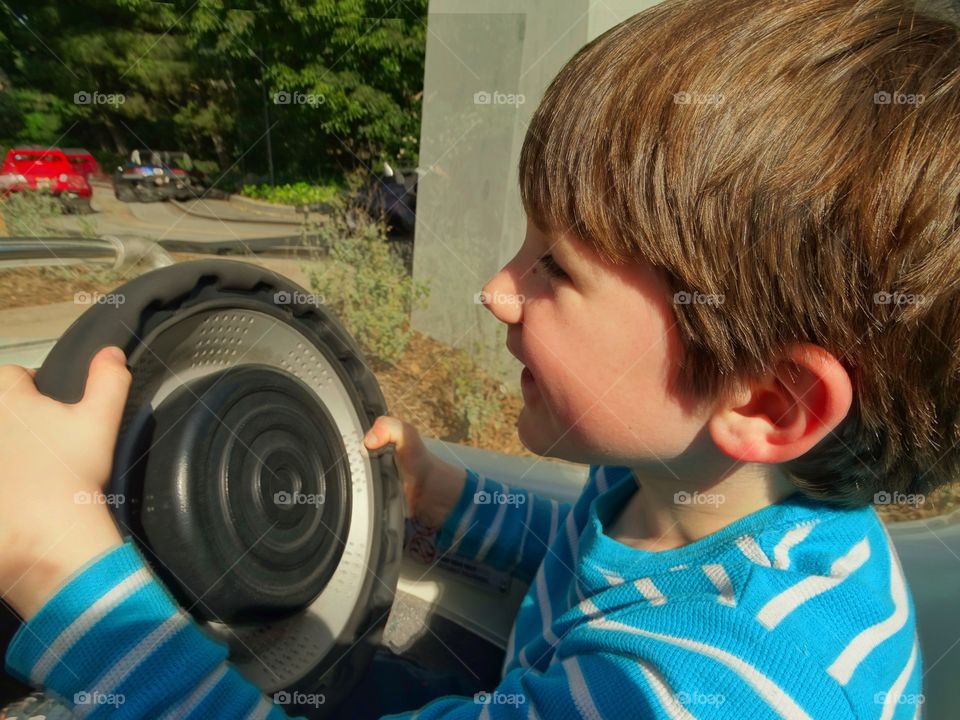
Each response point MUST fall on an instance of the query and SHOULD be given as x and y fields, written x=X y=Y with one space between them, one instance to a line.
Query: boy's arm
x=113 y=643
x=507 y=528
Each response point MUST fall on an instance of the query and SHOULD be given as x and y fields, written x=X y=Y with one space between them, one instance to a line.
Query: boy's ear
x=782 y=415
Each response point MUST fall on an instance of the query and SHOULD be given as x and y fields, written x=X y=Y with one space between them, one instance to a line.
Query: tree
x=339 y=80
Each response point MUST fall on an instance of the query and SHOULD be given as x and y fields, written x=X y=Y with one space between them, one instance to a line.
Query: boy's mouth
x=527 y=380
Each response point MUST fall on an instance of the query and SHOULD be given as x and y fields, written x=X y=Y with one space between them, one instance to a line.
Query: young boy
x=736 y=300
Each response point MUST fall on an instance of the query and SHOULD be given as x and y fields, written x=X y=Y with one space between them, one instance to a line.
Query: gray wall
x=469 y=218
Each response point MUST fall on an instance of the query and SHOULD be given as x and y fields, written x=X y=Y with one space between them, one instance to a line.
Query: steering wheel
x=240 y=470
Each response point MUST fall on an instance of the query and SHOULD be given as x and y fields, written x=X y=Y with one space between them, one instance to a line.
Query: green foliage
x=204 y=77
x=30 y=214
x=476 y=396
x=299 y=193
x=34 y=117
x=365 y=283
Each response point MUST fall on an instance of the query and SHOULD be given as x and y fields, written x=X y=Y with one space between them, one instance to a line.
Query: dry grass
x=30 y=286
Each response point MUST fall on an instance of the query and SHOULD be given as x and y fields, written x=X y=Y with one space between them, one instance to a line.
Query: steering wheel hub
x=249 y=471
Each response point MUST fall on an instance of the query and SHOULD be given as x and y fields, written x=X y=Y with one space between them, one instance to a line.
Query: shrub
x=299 y=193
x=476 y=395
x=365 y=282
x=30 y=214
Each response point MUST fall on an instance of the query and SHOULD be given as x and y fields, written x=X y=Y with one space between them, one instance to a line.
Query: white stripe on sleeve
x=892 y=699
x=863 y=644
x=190 y=703
x=748 y=546
x=106 y=684
x=493 y=530
x=793 y=537
x=780 y=606
x=579 y=690
x=670 y=702
x=721 y=581
x=261 y=710
x=650 y=591
x=90 y=617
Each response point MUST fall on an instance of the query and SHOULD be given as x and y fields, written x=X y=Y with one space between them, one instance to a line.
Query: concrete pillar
x=488 y=64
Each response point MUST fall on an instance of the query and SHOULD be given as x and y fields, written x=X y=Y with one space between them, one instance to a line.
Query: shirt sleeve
x=506 y=528
x=112 y=642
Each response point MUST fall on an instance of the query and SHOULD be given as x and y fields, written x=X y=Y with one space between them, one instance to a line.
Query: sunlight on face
x=600 y=345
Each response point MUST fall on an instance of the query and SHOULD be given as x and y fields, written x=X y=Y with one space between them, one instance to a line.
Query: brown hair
x=798 y=163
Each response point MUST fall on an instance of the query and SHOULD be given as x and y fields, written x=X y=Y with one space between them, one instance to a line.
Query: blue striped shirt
x=799 y=610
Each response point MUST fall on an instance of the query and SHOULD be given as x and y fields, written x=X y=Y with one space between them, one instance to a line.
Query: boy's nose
x=500 y=297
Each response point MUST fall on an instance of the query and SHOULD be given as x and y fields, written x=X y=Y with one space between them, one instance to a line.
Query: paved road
x=27 y=332
x=204 y=221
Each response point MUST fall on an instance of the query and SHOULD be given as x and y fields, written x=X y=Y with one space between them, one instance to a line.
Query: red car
x=83 y=161
x=45 y=170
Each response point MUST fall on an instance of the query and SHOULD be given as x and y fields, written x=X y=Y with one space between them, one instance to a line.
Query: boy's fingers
x=379 y=434
x=387 y=429
x=108 y=383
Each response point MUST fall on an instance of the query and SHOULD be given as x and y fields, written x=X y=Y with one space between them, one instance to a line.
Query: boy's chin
x=542 y=439
x=530 y=432
x=537 y=437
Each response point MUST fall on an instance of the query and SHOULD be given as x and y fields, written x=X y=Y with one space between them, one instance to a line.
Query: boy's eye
x=553 y=269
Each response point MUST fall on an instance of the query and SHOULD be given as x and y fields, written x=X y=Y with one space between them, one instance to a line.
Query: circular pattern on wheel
x=268 y=527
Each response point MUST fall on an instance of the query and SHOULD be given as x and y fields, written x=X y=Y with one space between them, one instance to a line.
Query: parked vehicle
x=45 y=170
x=199 y=181
x=83 y=162
x=152 y=175
x=392 y=195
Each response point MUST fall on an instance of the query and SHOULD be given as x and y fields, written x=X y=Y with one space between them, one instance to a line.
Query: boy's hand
x=432 y=487
x=56 y=460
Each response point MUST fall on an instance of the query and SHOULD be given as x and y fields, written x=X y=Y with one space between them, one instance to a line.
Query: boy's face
x=601 y=345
